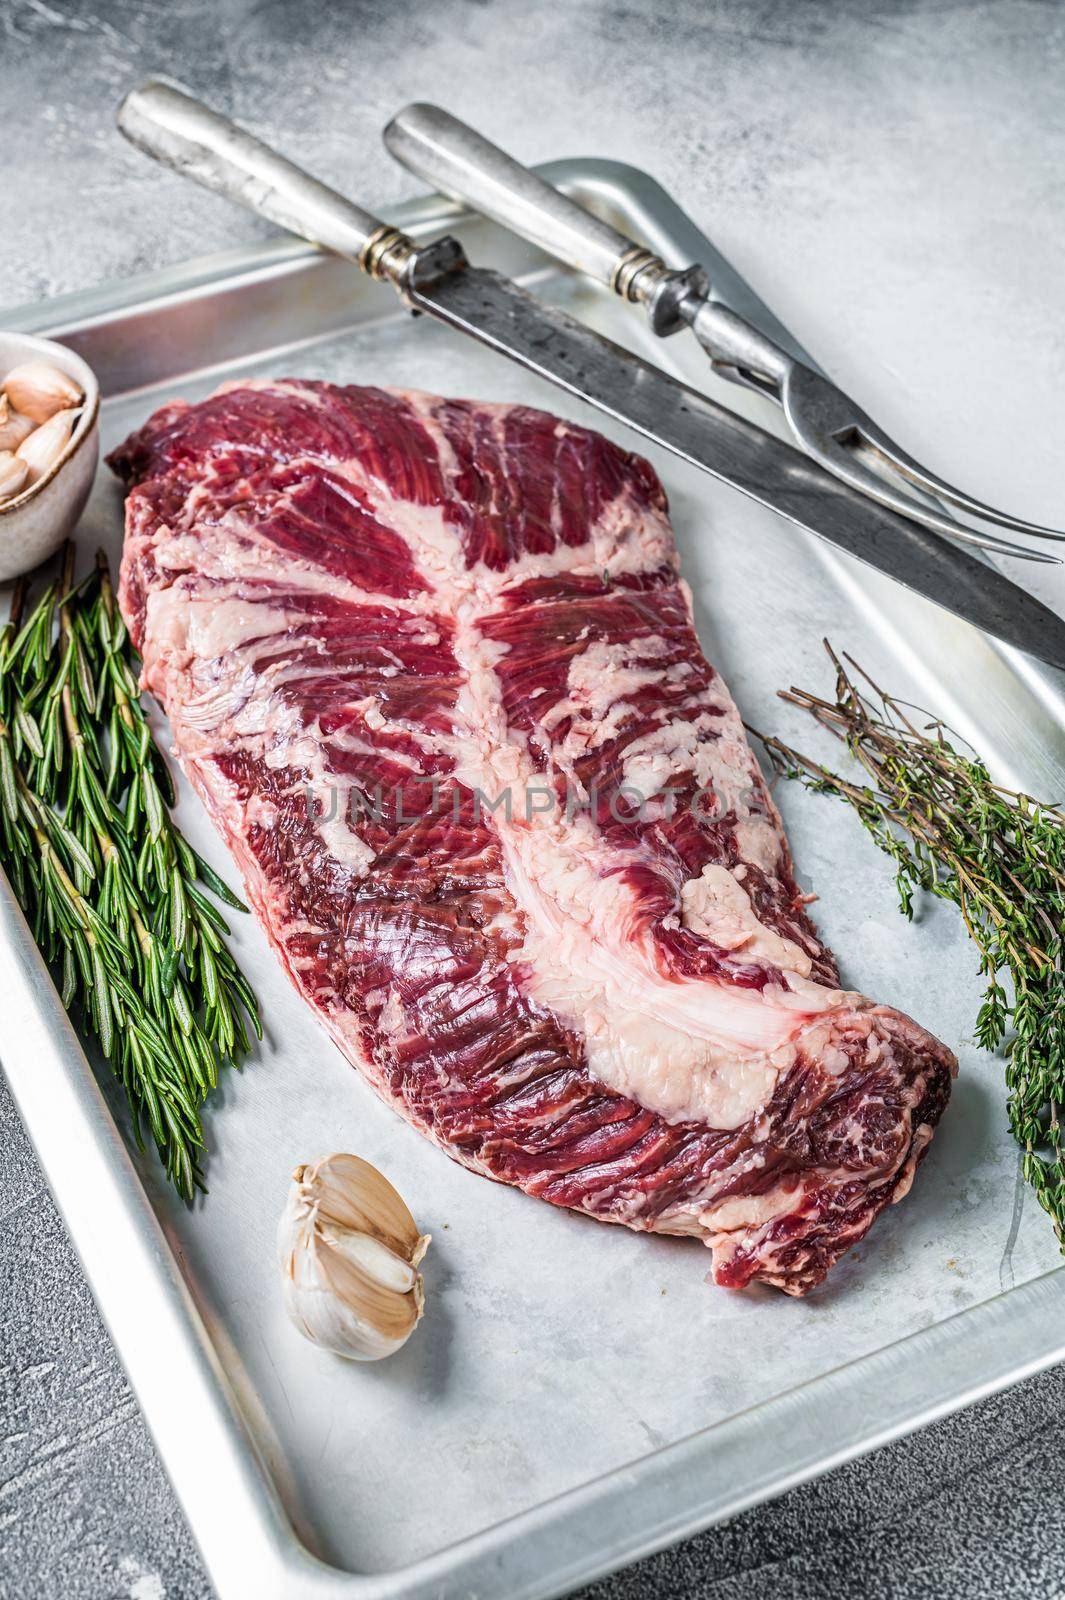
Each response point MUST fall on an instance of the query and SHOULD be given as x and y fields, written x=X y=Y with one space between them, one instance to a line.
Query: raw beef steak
x=430 y=666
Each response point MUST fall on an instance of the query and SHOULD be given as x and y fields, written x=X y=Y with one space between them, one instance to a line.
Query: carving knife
x=823 y=421
x=181 y=133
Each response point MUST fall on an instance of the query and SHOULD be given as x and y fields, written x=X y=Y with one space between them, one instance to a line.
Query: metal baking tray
x=577 y=1396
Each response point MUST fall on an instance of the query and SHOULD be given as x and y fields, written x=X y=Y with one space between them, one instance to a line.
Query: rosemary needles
x=113 y=893
x=997 y=855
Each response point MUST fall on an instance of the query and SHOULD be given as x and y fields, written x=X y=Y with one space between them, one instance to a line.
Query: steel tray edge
x=237 y=1516
x=247 y=1541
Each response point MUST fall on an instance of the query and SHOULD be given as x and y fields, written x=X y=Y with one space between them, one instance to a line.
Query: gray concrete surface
x=803 y=134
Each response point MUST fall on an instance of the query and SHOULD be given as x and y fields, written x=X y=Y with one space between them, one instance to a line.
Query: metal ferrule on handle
x=462 y=164
x=186 y=136
x=198 y=143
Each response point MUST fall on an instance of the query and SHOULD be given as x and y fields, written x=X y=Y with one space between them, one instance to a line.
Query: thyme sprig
x=996 y=854
x=113 y=893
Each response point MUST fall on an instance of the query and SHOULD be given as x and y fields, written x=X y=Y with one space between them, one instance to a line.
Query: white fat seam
x=688 y=1049
x=237 y=700
x=741 y=1211
x=718 y=907
x=242 y=557
x=624 y=538
x=598 y=680
x=700 y=1049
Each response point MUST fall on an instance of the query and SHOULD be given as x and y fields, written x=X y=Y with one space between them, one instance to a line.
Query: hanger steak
x=431 y=668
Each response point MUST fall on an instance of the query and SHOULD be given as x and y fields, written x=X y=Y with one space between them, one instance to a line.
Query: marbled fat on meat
x=430 y=666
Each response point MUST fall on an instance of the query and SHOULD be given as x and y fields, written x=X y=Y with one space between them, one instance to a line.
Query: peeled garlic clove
x=348 y=1250
x=13 y=474
x=13 y=425
x=39 y=390
x=41 y=449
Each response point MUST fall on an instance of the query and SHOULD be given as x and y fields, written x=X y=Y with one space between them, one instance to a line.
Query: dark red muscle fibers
x=430 y=666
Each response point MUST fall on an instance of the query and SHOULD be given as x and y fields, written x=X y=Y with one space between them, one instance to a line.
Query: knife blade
x=185 y=135
x=500 y=314
x=824 y=422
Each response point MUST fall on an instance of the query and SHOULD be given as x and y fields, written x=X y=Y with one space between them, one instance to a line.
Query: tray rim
x=235 y=1511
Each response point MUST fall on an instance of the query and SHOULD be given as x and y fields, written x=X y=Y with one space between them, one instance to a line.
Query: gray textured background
x=789 y=127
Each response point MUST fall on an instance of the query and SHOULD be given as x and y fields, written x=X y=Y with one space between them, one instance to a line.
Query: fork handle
x=185 y=135
x=463 y=164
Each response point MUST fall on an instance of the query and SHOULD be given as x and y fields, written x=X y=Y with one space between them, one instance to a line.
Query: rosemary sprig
x=113 y=892
x=998 y=855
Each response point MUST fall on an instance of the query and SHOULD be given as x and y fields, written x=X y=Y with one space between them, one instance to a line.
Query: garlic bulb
x=39 y=390
x=41 y=449
x=13 y=425
x=348 y=1247
x=13 y=474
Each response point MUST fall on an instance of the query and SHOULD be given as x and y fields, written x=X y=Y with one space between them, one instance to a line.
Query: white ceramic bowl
x=35 y=522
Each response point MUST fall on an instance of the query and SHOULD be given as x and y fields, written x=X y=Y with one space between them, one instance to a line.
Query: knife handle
x=466 y=166
x=185 y=135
